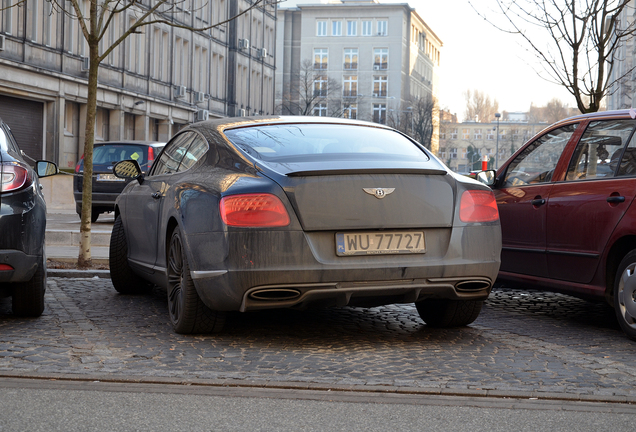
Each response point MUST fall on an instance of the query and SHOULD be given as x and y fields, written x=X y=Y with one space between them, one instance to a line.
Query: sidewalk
x=63 y=236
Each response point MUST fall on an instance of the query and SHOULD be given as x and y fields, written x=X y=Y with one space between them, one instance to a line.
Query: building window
x=466 y=133
x=490 y=136
x=383 y=28
x=320 y=86
x=379 y=113
x=350 y=111
x=453 y=133
x=350 y=86
x=321 y=28
x=352 y=28
x=381 y=59
x=380 y=84
x=477 y=134
x=336 y=28
x=351 y=58
x=367 y=28
x=453 y=153
x=320 y=58
x=320 y=110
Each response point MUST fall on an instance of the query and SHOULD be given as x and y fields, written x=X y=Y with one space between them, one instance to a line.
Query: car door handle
x=615 y=199
x=156 y=195
x=537 y=202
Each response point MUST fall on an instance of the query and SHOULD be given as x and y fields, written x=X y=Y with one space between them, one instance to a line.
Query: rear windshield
x=111 y=153
x=290 y=142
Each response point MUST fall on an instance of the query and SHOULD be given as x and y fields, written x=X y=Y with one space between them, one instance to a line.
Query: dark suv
x=22 y=226
x=106 y=187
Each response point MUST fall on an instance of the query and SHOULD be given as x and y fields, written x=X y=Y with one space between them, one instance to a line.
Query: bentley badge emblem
x=379 y=193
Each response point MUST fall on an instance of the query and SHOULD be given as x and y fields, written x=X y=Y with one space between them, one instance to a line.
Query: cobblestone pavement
x=525 y=342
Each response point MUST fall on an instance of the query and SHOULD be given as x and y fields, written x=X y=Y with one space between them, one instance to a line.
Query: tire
x=123 y=278
x=187 y=312
x=449 y=313
x=625 y=295
x=27 y=299
x=94 y=215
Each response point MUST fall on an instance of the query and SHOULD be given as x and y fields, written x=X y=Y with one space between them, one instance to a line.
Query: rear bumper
x=24 y=266
x=237 y=271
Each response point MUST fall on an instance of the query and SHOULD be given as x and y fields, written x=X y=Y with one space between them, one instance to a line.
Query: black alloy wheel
x=122 y=277
x=187 y=312
x=449 y=313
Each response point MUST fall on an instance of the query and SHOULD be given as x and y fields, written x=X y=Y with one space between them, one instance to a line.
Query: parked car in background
x=22 y=227
x=567 y=215
x=291 y=212
x=106 y=187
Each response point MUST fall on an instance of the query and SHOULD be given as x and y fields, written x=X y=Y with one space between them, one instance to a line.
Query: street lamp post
x=497 y=116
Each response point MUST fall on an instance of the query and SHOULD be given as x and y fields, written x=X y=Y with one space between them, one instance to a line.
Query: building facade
x=622 y=92
x=463 y=145
x=150 y=86
x=355 y=59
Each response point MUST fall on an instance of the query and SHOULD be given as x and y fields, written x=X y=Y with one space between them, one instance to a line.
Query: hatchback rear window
x=110 y=153
x=279 y=143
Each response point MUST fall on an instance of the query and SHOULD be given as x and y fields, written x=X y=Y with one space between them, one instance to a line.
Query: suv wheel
x=28 y=297
x=123 y=278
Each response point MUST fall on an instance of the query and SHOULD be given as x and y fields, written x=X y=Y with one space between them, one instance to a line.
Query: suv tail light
x=478 y=206
x=253 y=210
x=15 y=176
x=5 y=267
x=79 y=164
x=151 y=156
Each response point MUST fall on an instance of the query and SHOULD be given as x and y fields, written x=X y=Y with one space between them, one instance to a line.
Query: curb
x=78 y=274
x=357 y=388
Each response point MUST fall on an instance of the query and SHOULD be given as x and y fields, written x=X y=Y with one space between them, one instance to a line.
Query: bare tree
x=479 y=106
x=94 y=23
x=583 y=36
x=418 y=120
x=312 y=92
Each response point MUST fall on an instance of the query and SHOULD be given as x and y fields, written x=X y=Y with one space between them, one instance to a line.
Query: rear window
x=111 y=153
x=296 y=142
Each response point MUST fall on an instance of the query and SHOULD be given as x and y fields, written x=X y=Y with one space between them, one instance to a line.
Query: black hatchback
x=22 y=227
x=106 y=187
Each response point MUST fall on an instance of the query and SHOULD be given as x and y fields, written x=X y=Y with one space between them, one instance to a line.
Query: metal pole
x=497 y=115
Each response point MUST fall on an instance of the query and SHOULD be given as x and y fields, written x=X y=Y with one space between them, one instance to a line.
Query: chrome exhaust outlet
x=471 y=286
x=275 y=294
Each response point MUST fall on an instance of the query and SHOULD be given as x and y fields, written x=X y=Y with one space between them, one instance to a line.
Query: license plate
x=109 y=177
x=380 y=243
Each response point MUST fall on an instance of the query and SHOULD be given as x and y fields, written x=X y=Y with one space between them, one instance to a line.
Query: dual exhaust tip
x=285 y=294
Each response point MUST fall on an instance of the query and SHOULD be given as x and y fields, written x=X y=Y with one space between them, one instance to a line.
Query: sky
x=476 y=56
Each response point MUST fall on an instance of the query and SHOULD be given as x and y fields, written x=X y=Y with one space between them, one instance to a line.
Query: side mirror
x=128 y=169
x=45 y=168
x=487 y=177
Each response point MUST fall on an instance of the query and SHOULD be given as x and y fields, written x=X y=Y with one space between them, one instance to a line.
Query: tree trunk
x=84 y=259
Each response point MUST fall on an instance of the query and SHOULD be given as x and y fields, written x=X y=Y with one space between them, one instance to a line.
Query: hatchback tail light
x=5 y=267
x=14 y=177
x=478 y=206
x=79 y=164
x=253 y=210
x=151 y=156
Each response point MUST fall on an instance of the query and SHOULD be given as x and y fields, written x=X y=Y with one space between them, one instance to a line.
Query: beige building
x=149 y=86
x=356 y=59
x=463 y=145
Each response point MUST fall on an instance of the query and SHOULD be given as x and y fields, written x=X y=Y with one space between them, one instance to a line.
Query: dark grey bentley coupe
x=242 y=214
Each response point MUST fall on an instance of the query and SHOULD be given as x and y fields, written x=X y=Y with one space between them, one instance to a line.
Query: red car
x=567 y=215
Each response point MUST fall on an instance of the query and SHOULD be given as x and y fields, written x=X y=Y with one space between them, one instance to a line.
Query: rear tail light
x=14 y=177
x=79 y=164
x=151 y=156
x=5 y=267
x=478 y=206
x=253 y=210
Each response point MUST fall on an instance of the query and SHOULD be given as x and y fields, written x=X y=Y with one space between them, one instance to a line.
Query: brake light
x=478 y=206
x=5 y=267
x=253 y=210
x=151 y=156
x=14 y=177
x=79 y=163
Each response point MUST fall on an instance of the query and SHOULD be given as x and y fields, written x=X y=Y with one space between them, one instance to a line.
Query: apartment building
x=150 y=86
x=356 y=59
x=463 y=145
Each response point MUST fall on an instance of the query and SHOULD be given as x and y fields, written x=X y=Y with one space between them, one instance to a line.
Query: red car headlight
x=478 y=206
x=253 y=210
